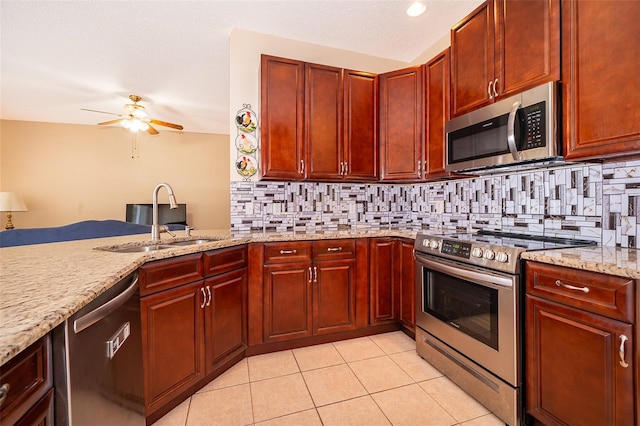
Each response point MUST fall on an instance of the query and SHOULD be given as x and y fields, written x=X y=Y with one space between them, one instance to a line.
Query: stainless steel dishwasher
x=98 y=361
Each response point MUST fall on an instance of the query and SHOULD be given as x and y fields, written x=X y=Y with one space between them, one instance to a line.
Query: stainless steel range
x=469 y=315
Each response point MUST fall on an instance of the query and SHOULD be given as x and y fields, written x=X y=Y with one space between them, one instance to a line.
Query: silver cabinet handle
x=571 y=287
x=334 y=249
x=489 y=90
x=310 y=275
x=495 y=85
x=288 y=251
x=302 y=167
x=315 y=274
x=4 y=391
x=204 y=298
x=346 y=168
x=623 y=339
x=208 y=294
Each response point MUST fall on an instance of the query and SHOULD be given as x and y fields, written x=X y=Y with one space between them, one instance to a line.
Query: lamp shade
x=11 y=202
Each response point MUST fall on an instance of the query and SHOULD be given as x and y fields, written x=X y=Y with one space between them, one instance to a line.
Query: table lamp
x=11 y=202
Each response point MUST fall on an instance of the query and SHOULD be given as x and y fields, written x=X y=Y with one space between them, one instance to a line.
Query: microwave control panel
x=535 y=125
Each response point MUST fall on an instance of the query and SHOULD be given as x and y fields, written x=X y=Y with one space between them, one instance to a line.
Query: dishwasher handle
x=102 y=311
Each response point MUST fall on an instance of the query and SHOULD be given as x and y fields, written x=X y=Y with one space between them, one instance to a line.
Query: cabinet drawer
x=224 y=260
x=27 y=378
x=334 y=249
x=165 y=274
x=299 y=251
x=591 y=291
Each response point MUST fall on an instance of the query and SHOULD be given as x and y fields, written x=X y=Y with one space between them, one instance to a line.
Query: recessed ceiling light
x=417 y=8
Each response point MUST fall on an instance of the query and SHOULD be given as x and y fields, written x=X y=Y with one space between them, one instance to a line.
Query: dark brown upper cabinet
x=601 y=78
x=502 y=48
x=318 y=122
x=401 y=121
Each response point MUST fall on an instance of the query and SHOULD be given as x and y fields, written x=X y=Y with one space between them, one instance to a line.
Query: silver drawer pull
x=204 y=298
x=571 y=287
x=334 y=249
x=623 y=339
x=4 y=391
x=288 y=251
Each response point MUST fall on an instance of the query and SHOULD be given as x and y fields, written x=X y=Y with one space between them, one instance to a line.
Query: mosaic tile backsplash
x=599 y=202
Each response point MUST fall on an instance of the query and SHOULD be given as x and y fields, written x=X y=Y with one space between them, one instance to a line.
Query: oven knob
x=489 y=254
x=502 y=257
x=425 y=243
x=476 y=252
x=434 y=244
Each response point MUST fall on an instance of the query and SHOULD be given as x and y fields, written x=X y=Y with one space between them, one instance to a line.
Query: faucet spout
x=155 y=228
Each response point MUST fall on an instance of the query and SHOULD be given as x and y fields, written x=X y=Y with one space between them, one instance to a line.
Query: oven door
x=473 y=310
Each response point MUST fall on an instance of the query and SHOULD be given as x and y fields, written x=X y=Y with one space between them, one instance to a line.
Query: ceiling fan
x=136 y=117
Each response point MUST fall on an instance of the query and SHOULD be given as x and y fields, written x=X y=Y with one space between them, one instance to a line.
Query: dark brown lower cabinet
x=309 y=288
x=581 y=353
x=406 y=277
x=287 y=301
x=225 y=317
x=383 y=300
x=392 y=282
x=191 y=331
x=172 y=343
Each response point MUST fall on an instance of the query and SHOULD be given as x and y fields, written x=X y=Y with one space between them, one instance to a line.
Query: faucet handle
x=187 y=230
x=165 y=228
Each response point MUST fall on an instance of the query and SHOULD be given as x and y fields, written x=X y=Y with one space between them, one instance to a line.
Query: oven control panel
x=456 y=248
x=479 y=253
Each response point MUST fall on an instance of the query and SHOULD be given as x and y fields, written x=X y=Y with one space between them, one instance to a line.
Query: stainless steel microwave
x=518 y=129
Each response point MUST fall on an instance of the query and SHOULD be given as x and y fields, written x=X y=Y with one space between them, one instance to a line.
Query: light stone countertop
x=42 y=285
x=618 y=261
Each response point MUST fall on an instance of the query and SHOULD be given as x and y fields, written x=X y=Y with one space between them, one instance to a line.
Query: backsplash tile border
x=599 y=202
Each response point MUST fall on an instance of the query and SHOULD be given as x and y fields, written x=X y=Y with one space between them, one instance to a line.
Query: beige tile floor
x=375 y=380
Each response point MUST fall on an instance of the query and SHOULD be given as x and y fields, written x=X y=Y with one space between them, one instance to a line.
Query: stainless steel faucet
x=155 y=228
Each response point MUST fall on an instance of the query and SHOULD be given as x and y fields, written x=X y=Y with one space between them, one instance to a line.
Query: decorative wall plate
x=246 y=165
x=246 y=120
x=246 y=143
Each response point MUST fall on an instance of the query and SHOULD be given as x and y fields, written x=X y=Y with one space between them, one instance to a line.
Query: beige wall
x=67 y=173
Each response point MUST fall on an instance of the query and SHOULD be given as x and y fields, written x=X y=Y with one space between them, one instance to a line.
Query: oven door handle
x=466 y=274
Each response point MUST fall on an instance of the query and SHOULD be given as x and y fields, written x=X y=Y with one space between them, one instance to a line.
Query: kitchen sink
x=162 y=245
x=192 y=242
x=136 y=249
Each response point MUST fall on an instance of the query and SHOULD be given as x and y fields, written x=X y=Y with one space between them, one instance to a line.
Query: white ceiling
x=58 y=57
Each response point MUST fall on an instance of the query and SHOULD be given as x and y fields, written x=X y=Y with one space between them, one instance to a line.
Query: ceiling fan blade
x=151 y=130
x=117 y=120
x=101 y=112
x=166 y=124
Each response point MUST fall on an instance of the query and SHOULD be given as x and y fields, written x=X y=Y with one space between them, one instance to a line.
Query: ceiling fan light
x=416 y=8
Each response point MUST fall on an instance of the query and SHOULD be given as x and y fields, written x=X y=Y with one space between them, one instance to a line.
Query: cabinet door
x=334 y=296
x=472 y=60
x=401 y=117
x=573 y=370
x=323 y=122
x=226 y=317
x=172 y=342
x=360 y=126
x=383 y=300
x=600 y=63
x=437 y=105
x=527 y=44
x=407 y=285
x=282 y=115
x=287 y=301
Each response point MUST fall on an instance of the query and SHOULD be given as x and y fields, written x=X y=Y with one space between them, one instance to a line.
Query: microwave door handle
x=511 y=131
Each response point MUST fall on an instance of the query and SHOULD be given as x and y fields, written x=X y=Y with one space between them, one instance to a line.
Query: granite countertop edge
x=44 y=284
